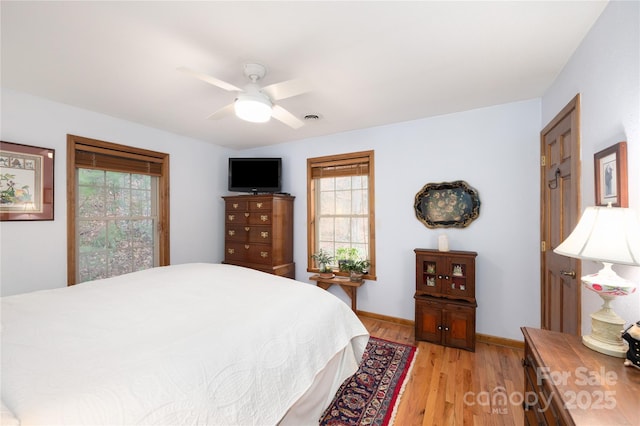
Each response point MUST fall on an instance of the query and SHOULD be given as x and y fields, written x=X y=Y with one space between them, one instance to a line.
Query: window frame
x=100 y=155
x=360 y=157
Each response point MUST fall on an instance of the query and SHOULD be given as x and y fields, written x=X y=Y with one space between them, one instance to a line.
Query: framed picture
x=26 y=182
x=447 y=205
x=610 y=167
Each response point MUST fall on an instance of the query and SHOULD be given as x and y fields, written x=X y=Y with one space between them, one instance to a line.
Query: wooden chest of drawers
x=566 y=383
x=259 y=233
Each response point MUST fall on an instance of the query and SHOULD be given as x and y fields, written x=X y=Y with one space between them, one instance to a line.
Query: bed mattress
x=195 y=343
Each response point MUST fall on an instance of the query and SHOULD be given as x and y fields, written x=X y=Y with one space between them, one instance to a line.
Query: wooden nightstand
x=349 y=287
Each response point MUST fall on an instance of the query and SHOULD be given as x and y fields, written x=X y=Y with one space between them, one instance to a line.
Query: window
x=340 y=203
x=117 y=209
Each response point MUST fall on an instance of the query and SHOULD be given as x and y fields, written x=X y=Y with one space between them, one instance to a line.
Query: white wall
x=33 y=254
x=605 y=70
x=493 y=149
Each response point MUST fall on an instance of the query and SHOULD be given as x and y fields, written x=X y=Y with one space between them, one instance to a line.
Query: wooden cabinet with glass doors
x=445 y=297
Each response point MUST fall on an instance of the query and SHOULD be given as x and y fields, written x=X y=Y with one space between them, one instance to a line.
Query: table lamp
x=608 y=235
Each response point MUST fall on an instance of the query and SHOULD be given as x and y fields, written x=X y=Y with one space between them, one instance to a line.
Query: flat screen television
x=255 y=175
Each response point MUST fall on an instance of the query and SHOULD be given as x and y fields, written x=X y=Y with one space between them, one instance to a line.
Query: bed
x=184 y=344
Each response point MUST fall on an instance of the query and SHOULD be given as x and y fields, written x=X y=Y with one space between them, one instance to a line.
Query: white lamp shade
x=605 y=234
x=253 y=108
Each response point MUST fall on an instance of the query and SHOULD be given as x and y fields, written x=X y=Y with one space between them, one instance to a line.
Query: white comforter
x=186 y=344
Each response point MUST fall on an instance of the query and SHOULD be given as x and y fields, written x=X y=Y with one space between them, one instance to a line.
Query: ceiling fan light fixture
x=253 y=108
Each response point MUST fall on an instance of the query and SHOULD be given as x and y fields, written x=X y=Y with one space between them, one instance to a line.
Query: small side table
x=349 y=287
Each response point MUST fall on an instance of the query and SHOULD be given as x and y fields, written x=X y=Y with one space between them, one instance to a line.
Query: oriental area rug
x=372 y=394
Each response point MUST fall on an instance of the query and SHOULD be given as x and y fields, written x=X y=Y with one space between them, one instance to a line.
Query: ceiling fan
x=254 y=103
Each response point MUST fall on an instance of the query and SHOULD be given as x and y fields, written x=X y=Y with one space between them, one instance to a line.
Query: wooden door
x=460 y=277
x=460 y=326
x=430 y=272
x=428 y=320
x=560 y=211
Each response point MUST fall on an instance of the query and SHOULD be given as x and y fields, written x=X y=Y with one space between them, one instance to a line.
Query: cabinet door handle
x=571 y=274
x=439 y=327
x=440 y=277
x=446 y=329
x=446 y=277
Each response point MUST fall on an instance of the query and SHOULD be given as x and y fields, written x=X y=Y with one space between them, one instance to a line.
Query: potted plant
x=323 y=260
x=356 y=268
x=345 y=254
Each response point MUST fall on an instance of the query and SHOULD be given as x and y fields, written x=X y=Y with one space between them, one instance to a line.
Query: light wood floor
x=456 y=387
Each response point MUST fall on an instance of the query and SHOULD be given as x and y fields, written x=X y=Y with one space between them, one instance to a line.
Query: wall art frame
x=610 y=170
x=26 y=182
x=447 y=204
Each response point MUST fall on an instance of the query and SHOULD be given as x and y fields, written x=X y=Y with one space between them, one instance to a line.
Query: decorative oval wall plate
x=447 y=205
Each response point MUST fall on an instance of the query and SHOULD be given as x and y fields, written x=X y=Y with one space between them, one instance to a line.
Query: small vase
x=355 y=276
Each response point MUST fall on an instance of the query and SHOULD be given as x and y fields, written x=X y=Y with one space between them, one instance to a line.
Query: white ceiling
x=370 y=63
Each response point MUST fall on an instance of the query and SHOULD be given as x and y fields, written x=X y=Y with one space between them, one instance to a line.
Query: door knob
x=571 y=274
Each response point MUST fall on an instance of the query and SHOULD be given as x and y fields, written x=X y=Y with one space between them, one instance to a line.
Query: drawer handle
x=259 y=205
x=232 y=217
x=264 y=217
x=246 y=228
x=264 y=234
x=529 y=362
x=232 y=232
x=264 y=253
x=231 y=251
x=246 y=246
x=235 y=205
x=247 y=214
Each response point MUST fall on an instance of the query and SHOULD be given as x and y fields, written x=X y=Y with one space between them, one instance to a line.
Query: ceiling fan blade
x=222 y=112
x=286 y=117
x=211 y=80
x=286 y=89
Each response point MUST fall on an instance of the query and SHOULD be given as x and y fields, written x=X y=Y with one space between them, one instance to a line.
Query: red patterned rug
x=371 y=396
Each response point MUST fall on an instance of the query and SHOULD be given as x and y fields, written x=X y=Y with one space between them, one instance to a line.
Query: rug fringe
x=392 y=418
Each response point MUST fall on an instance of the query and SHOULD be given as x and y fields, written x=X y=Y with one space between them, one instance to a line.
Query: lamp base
x=618 y=351
x=606 y=331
